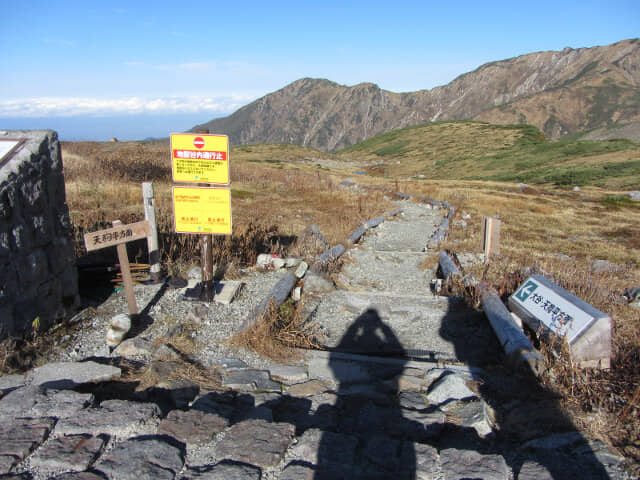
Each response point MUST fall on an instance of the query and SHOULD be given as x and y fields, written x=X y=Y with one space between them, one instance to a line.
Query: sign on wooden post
x=118 y=236
x=490 y=237
x=199 y=158
x=550 y=310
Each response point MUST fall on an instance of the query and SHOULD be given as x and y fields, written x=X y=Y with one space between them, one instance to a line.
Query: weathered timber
x=517 y=347
x=279 y=293
x=327 y=257
x=447 y=265
x=374 y=222
x=357 y=234
x=152 y=240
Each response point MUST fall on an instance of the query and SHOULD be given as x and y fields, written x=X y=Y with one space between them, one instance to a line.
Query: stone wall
x=38 y=276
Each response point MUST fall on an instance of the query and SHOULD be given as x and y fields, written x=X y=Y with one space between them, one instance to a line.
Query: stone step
x=438 y=328
x=387 y=272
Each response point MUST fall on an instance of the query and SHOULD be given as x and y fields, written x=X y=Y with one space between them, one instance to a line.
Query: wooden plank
x=117 y=235
x=123 y=258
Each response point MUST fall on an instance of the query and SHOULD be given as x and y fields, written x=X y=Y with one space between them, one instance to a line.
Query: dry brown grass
x=277 y=334
x=272 y=202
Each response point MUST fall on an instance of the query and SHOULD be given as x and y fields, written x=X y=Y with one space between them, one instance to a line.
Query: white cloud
x=72 y=106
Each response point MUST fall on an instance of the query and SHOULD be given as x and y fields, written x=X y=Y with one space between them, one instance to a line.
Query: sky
x=138 y=69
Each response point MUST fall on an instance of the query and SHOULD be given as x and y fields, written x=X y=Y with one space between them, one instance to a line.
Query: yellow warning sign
x=200 y=158
x=202 y=210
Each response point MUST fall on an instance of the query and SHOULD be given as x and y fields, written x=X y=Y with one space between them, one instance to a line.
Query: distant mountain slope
x=559 y=92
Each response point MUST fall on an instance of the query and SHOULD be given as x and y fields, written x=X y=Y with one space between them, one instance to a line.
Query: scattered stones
x=474 y=415
x=60 y=404
x=66 y=375
x=230 y=364
x=118 y=328
x=193 y=427
x=71 y=452
x=142 y=459
x=181 y=392
x=256 y=442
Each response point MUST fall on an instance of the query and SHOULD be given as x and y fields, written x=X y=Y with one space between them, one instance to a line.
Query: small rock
x=263 y=260
x=230 y=364
x=288 y=374
x=466 y=216
x=576 y=188
x=119 y=326
x=177 y=282
x=251 y=380
x=634 y=195
x=195 y=273
x=291 y=262
x=448 y=388
x=301 y=270
x=296 y=295
x=133 y=348
x=473 y=414
x=602 y=266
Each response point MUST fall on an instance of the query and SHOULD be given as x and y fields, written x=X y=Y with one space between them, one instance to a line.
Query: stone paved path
x=410 y=387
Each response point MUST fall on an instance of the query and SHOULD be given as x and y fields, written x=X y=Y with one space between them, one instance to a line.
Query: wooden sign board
x=549 y=309
x=202 y=210
x=200 y=158
x=116 y=235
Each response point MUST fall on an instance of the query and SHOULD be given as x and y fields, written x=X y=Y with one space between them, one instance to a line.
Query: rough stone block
x=69 y=374
x=72 y=452
x=256 y=442
x=193 y=427
x=460 y=464
x=142 y=459
x=21 y=436
x=318 y=447
x=225 y=471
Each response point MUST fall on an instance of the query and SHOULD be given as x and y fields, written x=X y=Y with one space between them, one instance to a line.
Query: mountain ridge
x=560 y=92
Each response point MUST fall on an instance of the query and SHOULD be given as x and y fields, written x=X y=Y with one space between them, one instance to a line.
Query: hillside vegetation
x=514 y=153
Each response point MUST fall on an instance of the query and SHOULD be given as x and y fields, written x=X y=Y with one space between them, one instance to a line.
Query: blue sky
x=206 y=59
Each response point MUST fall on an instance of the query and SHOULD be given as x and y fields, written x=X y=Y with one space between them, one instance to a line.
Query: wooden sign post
x=118 y=236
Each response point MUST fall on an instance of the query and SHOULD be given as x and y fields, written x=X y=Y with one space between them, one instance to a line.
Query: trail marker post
x=490 y=237
x=119 y=236
x=152 y=240
x=202 y=209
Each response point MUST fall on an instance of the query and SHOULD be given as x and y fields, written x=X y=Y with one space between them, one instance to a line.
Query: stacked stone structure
x=38 y=275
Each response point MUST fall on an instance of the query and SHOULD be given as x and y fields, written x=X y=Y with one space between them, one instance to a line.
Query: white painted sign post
x=551 y=310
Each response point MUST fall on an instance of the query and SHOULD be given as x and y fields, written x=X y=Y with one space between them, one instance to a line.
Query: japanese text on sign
x=116 y=235
x=558 y=314
x=202 y=210
x=200 y=158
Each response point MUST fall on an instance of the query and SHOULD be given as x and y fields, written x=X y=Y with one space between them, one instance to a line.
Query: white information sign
x=7 y=146
x=554 y=310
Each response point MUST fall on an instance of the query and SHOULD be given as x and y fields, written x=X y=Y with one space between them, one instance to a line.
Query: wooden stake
x=123 y=258
x=206 y=257
x=491 y=237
